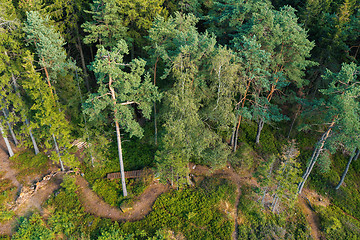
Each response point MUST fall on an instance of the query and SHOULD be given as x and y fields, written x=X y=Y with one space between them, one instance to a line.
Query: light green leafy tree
x=47 y=117
x=10 y=69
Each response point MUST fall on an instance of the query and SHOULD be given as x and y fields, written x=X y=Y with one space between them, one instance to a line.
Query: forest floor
x=142 y=204
x=311 y=216
x=228 y=173
x=92 y=202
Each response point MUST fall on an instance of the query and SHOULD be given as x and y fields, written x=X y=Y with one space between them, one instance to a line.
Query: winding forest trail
x=95 y=205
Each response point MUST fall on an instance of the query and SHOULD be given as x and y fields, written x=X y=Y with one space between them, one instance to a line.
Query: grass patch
x=28 y=164
x=191 y=212
x=335 y=224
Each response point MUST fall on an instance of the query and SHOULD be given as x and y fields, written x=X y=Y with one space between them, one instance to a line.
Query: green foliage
x=258 y=223
x=27 y=164
x=185 y=53
x=33 y=228
x=67 y=215
x=6 y=197
x=191 y=212
x=108 y=190
x=243 y=158
x=335 y=224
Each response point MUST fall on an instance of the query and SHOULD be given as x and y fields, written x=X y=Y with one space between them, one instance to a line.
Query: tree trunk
x=123 y=183
x=36 y=149
x=86 y=76
x=11 y=153
x=260 y=127
x=352 y=157
x=10 y=128
x=58 y=152
x=236 y=135
x=155 y=123
x=315 y=155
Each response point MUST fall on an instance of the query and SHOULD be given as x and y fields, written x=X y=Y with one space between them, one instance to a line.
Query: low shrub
x=27 y=164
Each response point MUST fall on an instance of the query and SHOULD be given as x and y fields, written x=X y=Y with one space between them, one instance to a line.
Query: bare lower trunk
x=83 y=64
x=58 y=152
x=293 y=122
x=10 y=128
x=123 y=184
x=11 y=153
x=352 y=158
x=260 y=127
x=155 y=124
x=236 y=136
x=263 y=197
x=12 y=134
x=274 y=203
x=315 y=156
x=36 y=149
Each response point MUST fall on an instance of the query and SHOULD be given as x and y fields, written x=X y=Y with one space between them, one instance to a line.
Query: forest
x=179 y=119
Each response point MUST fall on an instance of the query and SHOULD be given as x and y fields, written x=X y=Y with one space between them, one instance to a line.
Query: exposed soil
x=311 y=217
x=95 y=205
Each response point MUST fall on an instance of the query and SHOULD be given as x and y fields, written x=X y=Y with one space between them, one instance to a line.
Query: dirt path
x=95 y=205
x=311 y=218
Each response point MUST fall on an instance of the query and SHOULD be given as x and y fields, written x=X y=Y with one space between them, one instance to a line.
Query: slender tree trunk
x=293 y=122
x=352 y=157
x=260 y=127
x=123 y=183
x=86 y=76
x=36 y=149
x=58 y=152
x=155 y=123
x=242 y=101
x=263 y=197
x=10 y=128
x=315 y=155
x=85 y=123
x=11 y=153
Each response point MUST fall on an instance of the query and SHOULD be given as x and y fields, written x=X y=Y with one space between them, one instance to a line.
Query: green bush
x=192 y=212
x=243 y=157
x=108 y=190
x=337 y=225
x=27 y=164
x=33 y=228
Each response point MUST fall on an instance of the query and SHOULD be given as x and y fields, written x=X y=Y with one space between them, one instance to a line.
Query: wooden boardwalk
x=128 y=174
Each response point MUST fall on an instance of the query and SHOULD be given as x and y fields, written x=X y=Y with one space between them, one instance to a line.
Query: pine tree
x=186 y=54
x=119 y=90
x=340 y=114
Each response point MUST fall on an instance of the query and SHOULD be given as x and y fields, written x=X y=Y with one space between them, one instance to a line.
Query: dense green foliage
x=268 y=90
